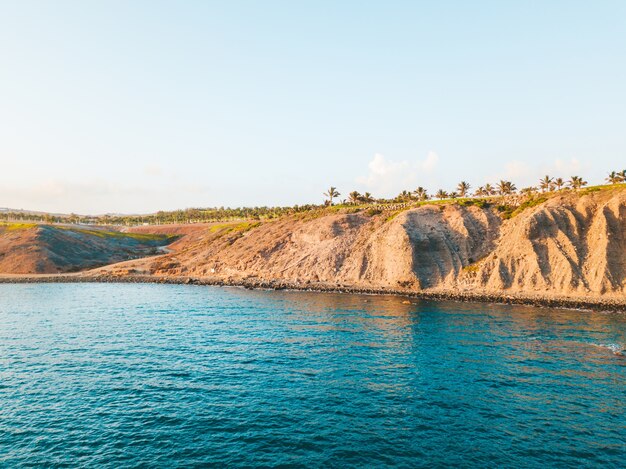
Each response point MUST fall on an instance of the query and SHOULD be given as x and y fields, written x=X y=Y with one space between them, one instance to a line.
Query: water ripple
x=167 y=375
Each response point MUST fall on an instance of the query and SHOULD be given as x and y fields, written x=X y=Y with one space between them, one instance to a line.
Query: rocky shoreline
x=596 y=304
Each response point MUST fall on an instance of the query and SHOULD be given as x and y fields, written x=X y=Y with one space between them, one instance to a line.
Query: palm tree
x=355 y=197
x=404 y=196
x=623 y=175
x=480 y=192
x=331 y=194
x=499 y=186
x=614 y=178
x=528 y=191
x=453 y=195
x=367 y=198
x=559 y=183
x=545 y=183
x=506 y=187
x=576 y=182
x=489 y=190
x=462 y=188
x=421 y=193
x=441 y=194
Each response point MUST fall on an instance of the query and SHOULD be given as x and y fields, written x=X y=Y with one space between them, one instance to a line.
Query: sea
x=147 y=375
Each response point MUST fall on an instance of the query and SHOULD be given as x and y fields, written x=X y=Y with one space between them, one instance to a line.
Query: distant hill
x=31 y=248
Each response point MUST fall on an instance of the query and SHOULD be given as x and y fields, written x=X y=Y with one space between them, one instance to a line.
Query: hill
x=40 y=249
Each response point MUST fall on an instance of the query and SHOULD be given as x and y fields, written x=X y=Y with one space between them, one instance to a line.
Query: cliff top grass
x=604 y=187
x=110 y=234
x=233 y=226
x=10 y=226
x=508 y=211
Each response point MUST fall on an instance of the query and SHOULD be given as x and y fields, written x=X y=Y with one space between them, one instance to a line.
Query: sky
x=138 y=106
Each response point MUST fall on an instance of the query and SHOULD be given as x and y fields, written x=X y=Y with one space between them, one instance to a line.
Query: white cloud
x=387 y=177
x=153 y=170
x=431 y=161
x=566 y=168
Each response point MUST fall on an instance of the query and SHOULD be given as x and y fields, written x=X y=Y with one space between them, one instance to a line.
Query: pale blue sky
x=135 y=106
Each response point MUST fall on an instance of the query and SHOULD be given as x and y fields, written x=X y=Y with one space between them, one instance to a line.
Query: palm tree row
x=502 y=188
x=190 y=215
x=549 y=184
x=197 y=215
x=462 y=190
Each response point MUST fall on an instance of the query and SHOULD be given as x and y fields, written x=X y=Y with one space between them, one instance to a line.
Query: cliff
x=571 y=244
x=568 y=244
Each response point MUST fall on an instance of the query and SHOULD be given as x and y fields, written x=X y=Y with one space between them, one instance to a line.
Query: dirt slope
x=50 y=249
x=184 y=235
x=572 y=244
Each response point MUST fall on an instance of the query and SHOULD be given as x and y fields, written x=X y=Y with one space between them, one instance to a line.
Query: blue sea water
x=106 y=375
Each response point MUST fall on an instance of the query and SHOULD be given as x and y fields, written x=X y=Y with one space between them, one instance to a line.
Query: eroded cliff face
x=571 y=244
x=419 y=248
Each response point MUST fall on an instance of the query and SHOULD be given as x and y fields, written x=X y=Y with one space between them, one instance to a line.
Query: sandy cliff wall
x=572 y=244
x=569 y=244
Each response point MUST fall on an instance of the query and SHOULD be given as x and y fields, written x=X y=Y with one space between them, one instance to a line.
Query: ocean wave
x=617 y=349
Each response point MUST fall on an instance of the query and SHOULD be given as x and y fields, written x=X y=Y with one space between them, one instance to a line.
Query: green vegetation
x=472 y=268
x=394 y=214
x=235 y=229
x=474 y=265
x=421 y=194
x=230 y=227
x=331 y=194
x=191 y=215
x=463 y=188
x=615 y=177
x=589 y=190
x=372 y=212
x=480 y=203
x=508 y=211
x=147 y=238
x=141 y=237
x=17 y=226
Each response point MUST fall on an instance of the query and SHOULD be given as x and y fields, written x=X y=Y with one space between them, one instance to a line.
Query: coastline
x=596 y=304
